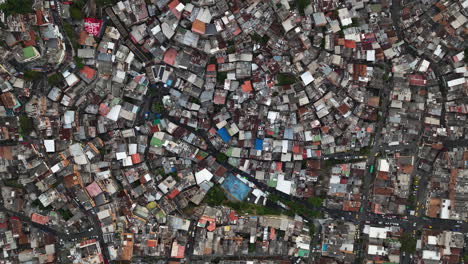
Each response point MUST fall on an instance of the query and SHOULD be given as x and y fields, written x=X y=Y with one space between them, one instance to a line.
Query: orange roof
x=170 y=56
x=382 y=175
x=351 y=206
x=173 y=194
x=211 y=67
x=383 y=191
x=325 y=129
x=272 y=233
x=178 y=251
x=173 y=4
x=279 y=166
x=103 y=109
x=247 y=86
x=343 y=109
x=151 y=243
x=181 y=252
x=127 y=251
x=212 y=226
x=237 y=31
x=406 y=169
x=72 y=180
x=198 y=27
x=434 y=207
x=32 y=39
x=82 y=38
x=296 y=149
x=88 y=72
x=136 y=158
x=350 y=44
x=5 y=152
x=40 y=219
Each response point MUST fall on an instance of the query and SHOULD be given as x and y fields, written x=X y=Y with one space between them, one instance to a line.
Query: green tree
x=301 y=5
x=315 y=201
x=32 y=75
x=311 y=229
x=221 y=76
x=54 y=79
x=408 y=243
x=26 y=124
x=65 y=213
x=17 y=7
x=231 y=49
x=75 y=13
x=78 y=62
x=252 y=247
x=262 y=40
x=221 y=157
x=102 y=3
x=465 y=58
x=12 y=183
x=285 y=79
x=355 y=22
x=215 y=196
x=71 y=34
x=158 y=107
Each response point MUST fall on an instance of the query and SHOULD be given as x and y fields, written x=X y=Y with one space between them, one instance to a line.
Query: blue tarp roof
x=223 y=133
x=258 y=144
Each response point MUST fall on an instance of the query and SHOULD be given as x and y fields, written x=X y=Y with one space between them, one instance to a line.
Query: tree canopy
x=17 y=7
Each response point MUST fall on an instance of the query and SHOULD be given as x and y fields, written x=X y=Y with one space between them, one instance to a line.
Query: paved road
x=368 y=176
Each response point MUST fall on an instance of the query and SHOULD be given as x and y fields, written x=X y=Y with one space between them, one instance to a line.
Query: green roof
x=272 y=183
x=202 y=154
x=303 y=252
x=376 y=8
x=29 y=52
x=229 y=152
x=156 y=142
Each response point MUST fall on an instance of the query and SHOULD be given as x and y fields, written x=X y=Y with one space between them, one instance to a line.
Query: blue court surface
x=236 y=188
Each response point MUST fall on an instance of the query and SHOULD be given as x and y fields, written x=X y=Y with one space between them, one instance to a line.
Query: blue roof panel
x=223 y=133
x=258 y=144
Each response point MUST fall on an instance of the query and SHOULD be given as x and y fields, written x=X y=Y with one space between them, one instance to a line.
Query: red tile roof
x=211 y=67
x=151 y=243
x=350 y=44
x=247 y=86
x=198 y=27
x=170 y=56
x=233 y=216
x=136 y=158
x=93 y=189
x=88 y=72
x=40 y=219
x=417 y=80
x=173 y=193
